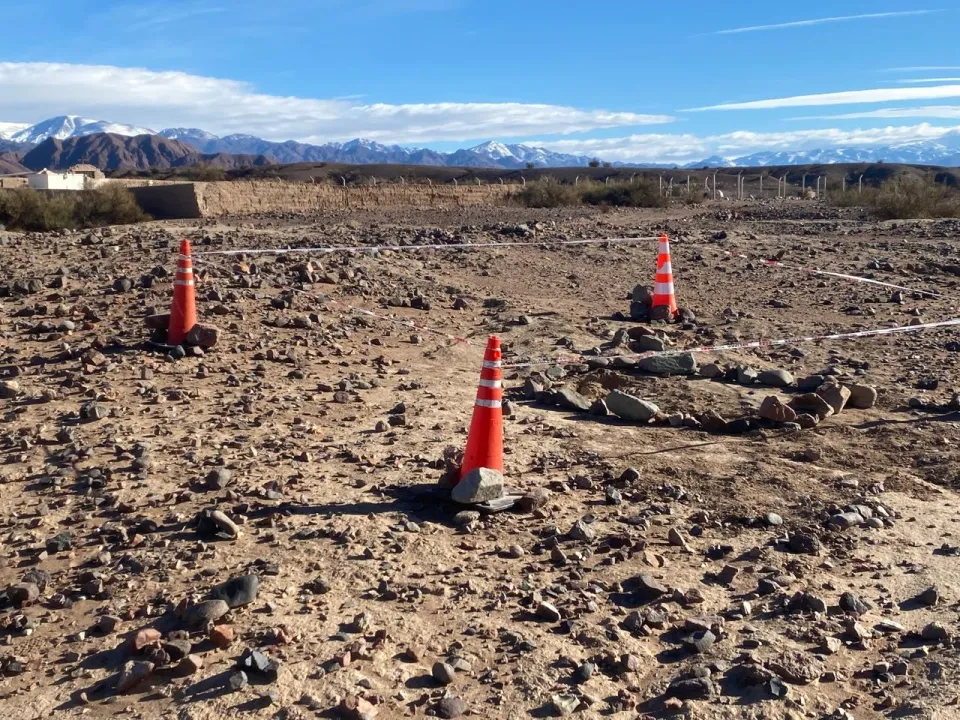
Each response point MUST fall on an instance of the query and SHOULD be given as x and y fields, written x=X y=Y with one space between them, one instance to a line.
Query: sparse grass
x=549 y=192
x=27 y=209
x=904 y=198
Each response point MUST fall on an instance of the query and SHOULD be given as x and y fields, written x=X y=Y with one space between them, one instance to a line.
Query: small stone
x=203 y=613
x=144 y=638
x=612 y=495
x=177 y=649
x=804 y=544
x=237 y=681
x=696 y=688
x=238 y=591
x=796 y=667
x=772 y=519
x=564 y=705
x=647 y=588
x=451 y=707
x=851 y=603
x=584 y=672
x=935 y=632
x=571 y=400
x=133 y=673
x=832 y=645
x=548 y=612
x=108 y=624
x=254 y=661
x=929 y=597
x=746 y=375
x=23 y=593
x=480 y=485
x=701 y=642
x=845 y=521
x=215 y=525
x=534 y=500
x=218 y=478
x=582 y=531
x=711 y=371
x=675 y=364
x=811 y=404
x=190 y=665
x=677 y=539
x=221 y=636
x=443 y=673
x=465 y=517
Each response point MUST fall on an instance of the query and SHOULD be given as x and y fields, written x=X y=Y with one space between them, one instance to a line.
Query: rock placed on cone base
x=477 y=486
x=203 y=335
x=158 y=322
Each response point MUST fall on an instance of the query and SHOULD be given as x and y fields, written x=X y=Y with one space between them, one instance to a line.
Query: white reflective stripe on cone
x=663 y=289
x=665 y=268
x=183 y=282
x=184 y=270
x=184 y=257
x=491 y=383
x=492 y=364
x=488 y=403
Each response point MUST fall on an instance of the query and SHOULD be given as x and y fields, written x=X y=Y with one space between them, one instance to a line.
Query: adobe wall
x=258 y=196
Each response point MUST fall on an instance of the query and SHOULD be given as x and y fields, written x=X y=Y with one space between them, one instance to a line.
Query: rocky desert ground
x=256 y=529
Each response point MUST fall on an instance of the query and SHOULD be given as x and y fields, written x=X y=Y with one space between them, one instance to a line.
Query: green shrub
x=548 y=192
x=28 y=209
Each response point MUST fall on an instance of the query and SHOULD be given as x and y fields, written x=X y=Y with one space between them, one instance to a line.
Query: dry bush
x=28 y=209
x=624 y=194
x=548 y=192
x=904 y=198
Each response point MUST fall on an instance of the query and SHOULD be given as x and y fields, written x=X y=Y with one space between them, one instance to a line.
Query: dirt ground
x=670 y=571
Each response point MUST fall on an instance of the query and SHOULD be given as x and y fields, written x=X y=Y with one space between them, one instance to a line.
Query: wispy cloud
x=33 y=91
x=684 y=148
x=921 y=68
x=921 y=81
x=823 y=21
x=152 y=20
x=847 y=97
x=928 y=111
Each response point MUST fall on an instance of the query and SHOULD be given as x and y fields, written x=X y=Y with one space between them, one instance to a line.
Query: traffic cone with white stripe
x=485 y=441
x=663 y=294
x=183 y=312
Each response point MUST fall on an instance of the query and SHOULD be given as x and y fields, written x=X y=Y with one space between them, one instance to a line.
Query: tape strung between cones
x=844 y=276
x=401 y=248
x=744 y=346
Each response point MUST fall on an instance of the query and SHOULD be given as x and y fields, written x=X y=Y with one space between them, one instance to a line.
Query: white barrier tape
x=746 y=346
x=466 y=246
x=844 y=276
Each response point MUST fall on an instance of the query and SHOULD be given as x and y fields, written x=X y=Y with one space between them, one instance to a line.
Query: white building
x=52 y=180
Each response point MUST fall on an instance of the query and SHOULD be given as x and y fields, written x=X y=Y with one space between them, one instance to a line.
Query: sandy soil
x=367 y=575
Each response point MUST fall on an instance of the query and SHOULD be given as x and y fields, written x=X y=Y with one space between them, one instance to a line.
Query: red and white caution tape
x=844 y=276
x=747 y=345
x=440 y=246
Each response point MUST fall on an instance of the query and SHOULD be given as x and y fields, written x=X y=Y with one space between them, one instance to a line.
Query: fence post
x=761 y=184
x=401 y=180
x=478 y=182
x=688 y=184
x=843 y=185
x=860 y=186
x=661 y=185
x=576 y=180
x=803 y=185
x=523 y=180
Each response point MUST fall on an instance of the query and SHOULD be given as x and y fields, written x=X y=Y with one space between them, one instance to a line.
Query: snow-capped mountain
x=67 y=126
x=492 y=154
x=9 y=129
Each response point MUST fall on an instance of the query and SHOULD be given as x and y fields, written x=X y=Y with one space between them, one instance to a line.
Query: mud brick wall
x=248 y=197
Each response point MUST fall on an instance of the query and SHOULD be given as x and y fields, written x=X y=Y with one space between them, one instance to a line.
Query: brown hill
x=111 y=152
x=10 y=163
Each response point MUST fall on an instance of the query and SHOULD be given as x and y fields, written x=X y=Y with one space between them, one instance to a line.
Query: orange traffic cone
x=485 y=441
x=183 y=312
x=663 y=295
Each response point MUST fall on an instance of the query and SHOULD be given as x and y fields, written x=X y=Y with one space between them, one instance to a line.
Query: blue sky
x=625 y=80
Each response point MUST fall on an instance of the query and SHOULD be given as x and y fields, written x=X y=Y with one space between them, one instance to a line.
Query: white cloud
x=34 y=91
x=683 y=148
x=822 y=21
x=927 y=111
x=848 y=97
x=920 y=81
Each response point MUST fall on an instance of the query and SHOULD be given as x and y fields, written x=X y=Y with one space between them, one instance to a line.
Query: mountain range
x=21 y=138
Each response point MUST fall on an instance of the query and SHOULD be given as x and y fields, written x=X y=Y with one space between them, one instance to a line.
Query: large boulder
x=628 y=407
x=676 y=364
